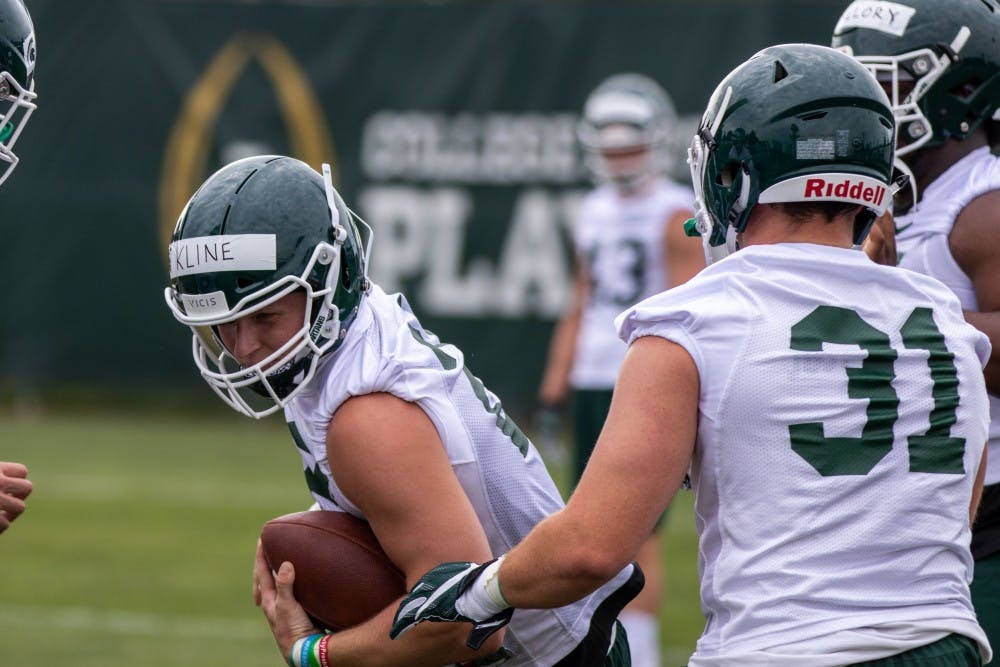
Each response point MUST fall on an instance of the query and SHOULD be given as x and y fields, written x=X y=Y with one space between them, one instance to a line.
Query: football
x=342 y=575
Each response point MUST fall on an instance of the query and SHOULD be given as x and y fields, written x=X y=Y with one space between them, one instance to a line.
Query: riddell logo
x=859 y=191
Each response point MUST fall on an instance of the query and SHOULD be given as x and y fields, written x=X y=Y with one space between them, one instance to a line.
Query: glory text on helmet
x=17 y=79
x=794 y=123
x=257 y=230
x=626 y=112
x=940 y=59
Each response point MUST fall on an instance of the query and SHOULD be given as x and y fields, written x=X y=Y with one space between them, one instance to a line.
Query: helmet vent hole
x=816 y=115
x=779 y=71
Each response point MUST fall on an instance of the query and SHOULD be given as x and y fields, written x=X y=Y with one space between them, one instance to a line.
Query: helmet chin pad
x=281 y=380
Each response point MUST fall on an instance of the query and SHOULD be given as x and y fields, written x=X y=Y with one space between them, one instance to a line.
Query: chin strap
x=905 y=181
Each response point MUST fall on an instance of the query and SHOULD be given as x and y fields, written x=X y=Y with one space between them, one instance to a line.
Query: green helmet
x=17 y=79
x=794 y=123
x=626 y=111
x=255 y=231
x=950 y=52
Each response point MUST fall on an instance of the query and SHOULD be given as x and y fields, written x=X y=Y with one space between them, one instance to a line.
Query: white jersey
x=922 y=244
x=833 y=519
x=386 y=350
x=621 y=239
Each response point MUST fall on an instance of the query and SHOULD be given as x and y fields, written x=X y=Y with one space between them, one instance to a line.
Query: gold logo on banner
x=186 y=159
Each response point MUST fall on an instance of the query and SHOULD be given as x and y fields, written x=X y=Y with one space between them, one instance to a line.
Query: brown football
x=342 y=576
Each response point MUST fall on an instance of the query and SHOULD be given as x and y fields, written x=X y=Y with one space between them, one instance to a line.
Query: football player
x=17 y=102
x=811 y=394
x=940 y=64
x=629 y=244
x=268 y=268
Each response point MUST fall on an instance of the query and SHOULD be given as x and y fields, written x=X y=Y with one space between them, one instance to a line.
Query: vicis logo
x=187 y=155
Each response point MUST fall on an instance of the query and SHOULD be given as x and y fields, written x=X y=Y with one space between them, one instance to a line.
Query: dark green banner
x=451 y=127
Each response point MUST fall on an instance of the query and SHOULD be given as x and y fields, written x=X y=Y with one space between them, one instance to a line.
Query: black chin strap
x=282 y=381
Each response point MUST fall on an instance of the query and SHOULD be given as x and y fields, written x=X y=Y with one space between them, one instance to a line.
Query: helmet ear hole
x=966 y=90
x=727 y=175
x=345 y=270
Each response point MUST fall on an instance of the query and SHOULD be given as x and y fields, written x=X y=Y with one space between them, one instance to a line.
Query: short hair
x=828 y=210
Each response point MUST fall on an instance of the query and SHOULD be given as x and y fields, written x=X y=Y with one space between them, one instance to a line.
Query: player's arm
x=387 y=457
x=562 y=346
x=14 y=489
x=638 y=464
x=975 y=244
x=683 y=255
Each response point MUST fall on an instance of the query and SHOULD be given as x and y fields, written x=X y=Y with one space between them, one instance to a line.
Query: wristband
x=323 y=651
x=492 y=585
x=483 y=599
x=303 y=653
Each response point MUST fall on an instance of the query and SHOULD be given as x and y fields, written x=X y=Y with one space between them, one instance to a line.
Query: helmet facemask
x=718 y=237
x=628 y=116
x=624 y=155
x=907 y=78
x=16 y=106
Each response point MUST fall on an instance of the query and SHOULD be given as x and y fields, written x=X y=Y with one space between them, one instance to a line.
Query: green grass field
x=138 y=544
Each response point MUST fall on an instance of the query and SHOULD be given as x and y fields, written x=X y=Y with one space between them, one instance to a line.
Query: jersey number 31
x=935 y=451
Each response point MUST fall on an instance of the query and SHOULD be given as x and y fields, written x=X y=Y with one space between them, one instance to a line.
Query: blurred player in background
x=831 y=411
x=17 y=102
x=268 y=267
x=940 y=64
x=629 y=244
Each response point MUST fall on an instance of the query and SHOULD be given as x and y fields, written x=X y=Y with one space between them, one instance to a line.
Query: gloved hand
x=436 y=597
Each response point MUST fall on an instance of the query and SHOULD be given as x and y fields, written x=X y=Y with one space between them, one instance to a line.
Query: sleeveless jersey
x=833 y=465
x=621 y=241
x=922 y=244
x=386 y=350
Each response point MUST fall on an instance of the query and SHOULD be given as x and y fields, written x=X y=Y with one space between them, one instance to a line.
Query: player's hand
x=880 y=246
x=273 y=594
x=434 y=598
x=14 y=489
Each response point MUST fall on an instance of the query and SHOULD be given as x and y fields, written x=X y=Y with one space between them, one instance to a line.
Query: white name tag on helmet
x=232 y=252
x=889 y=17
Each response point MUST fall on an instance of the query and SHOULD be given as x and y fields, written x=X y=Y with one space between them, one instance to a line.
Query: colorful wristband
x=303 y=653
x=323 y=651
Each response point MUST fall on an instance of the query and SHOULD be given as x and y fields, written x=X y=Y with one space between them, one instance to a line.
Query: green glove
x=434 y=596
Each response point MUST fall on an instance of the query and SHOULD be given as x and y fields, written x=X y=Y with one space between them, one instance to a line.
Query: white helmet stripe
x=848 y=188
